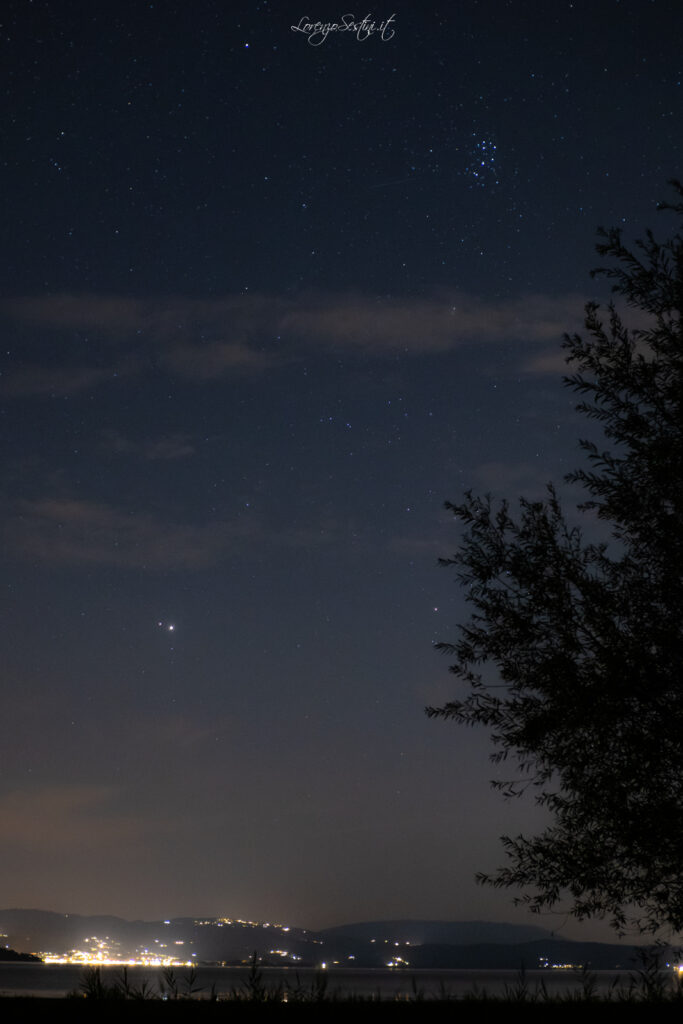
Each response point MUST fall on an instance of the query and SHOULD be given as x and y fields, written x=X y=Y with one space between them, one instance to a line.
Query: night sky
x=269 y=299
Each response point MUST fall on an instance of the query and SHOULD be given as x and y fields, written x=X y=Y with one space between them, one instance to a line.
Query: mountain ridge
x=373 y=944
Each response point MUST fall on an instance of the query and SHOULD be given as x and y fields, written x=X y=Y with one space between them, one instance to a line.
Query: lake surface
x=60 y=979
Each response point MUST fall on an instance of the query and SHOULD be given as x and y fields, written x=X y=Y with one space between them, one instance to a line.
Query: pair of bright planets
x=166 y=625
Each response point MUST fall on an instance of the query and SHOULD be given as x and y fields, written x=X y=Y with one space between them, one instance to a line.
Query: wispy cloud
x=418 y=325
x=162 y=319
x=78 y=312
x=74 y=532
x=173 y=446
x=207 y=339
x=51 y=380
x=207 y=362
x=551 y=361
x=58 y=531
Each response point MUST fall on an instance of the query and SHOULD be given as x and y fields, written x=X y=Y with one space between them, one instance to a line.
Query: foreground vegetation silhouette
x=572 y=656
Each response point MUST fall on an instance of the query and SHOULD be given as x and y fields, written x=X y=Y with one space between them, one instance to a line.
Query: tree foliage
x=586 y=638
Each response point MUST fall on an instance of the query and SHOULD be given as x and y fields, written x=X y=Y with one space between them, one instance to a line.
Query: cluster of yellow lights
x=104 y=953
x=390 y=942
x=544 y=962
x=87 y=959
x=218 y=922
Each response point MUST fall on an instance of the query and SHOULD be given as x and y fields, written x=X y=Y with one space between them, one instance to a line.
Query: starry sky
x=270 y=297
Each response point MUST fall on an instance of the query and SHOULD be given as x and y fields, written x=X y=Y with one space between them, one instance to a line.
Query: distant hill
x=597 y=956
x=11 y=956
x=450 y=933
x=419 y=944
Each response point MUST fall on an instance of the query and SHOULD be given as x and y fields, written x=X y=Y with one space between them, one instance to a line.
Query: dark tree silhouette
x=586 y=639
